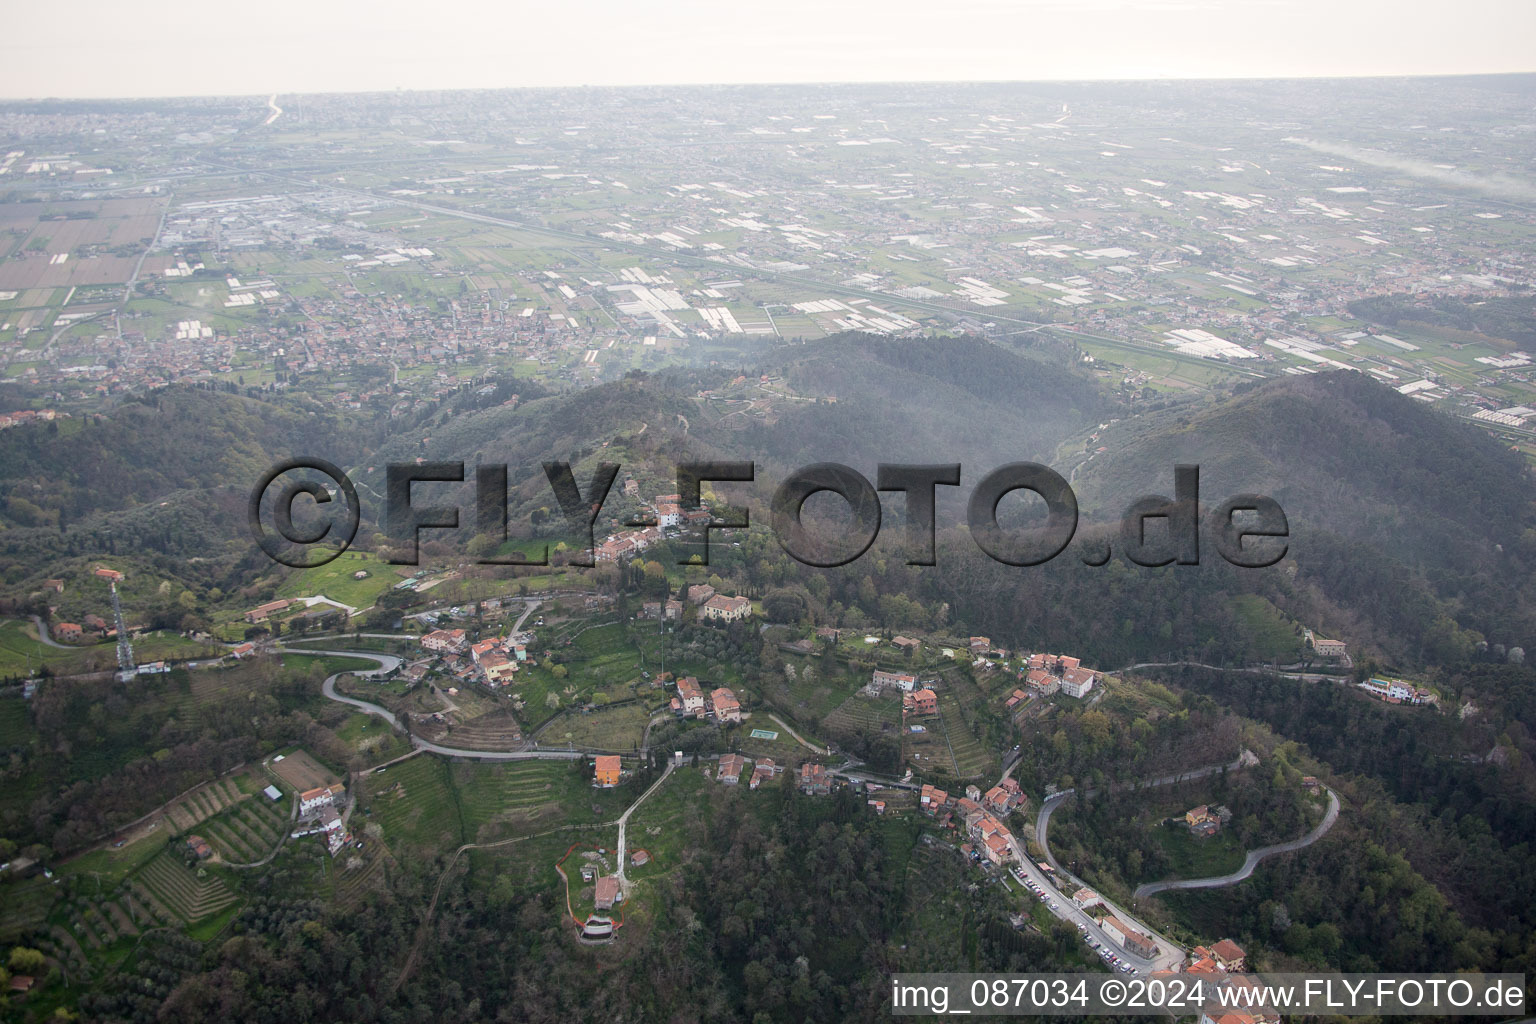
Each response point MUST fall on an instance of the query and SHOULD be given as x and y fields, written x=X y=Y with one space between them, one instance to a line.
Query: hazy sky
x=180 y=47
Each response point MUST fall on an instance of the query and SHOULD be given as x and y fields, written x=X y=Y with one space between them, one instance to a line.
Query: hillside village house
x=699 y=593
x=725 y=609
x=899 y=680
x=1325 y=648
x=690 y=698
x=980 y=645
x=608 y=892
x=997 y=848
x=815 y=780
x=726 y=707
x=311 y=800
x=671 y=610
x=1397 y=691
x=906 y=645
x=444 y=641
x=731 y=767
x=1225 y=955
x=762 y=772
x=606 y=770
x=921 y=702
x=262 y=612
x=1042 y=682
x=1205 y=820
x=932 y=799
x=69 y=632
x=498 y=668
x=1129 y=938
x=1076 y=682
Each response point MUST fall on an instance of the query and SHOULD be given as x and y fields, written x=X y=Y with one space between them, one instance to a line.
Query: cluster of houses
x=1398 y=691
x=978 y=814
x=915 y=699
x=1225 y=955
x=720 y=704
x=1045 y=674
x=733 y=767
x=494 y=662
x=712 y=607
x=669 y=515
x=24 y=417
x=320 y=814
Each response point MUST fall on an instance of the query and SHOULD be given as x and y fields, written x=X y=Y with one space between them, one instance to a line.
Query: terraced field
x=495 y=731
x=501 y=800
x=416 y=805
x=26 y=907
x=101 y=922
x=167 y=887
x=205 y=803
x=867 y=714
x=351 y=884
x=927 y=750
x=972 y=758
x=247 y=831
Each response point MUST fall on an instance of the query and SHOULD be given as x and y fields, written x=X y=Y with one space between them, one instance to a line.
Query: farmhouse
x=608 y=892
x=763 y=771
x=880 y=680
x=266 y=611
x=727 y=708
x=312 y=800
x=923 y=702
x=444 y=641
x=608 y=768
x=725 y=609
x=731 y=767
x=815 y=780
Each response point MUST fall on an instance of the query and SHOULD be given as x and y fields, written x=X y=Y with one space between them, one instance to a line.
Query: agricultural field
x=782 y=750
x=618 y=728
x=812 y=692
x=22 y=653
x=1268 y=632
x=335 y=580
x=15 y=723
x=370 y=735
x=300 y=771
x=204 y=803
x=496 y=730
x=171 y=890
x=867 y=714
x=248 y=831
x=500 y=800
x=972 y=757
x=415 y=803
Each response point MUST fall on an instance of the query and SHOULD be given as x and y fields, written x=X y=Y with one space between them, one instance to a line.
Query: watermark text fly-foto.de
x=1247 y=530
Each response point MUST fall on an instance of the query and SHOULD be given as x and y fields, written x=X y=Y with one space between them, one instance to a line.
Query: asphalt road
x=387 y=663
x=1170 y=953
x=1250 y=862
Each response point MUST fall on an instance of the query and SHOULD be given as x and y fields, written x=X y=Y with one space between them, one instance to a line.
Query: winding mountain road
x=388 y=663
x=1250 y=862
